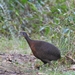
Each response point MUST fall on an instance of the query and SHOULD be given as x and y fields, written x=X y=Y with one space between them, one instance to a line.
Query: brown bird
x=42 y=50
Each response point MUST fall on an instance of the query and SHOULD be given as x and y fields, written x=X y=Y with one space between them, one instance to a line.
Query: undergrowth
x=20 y=46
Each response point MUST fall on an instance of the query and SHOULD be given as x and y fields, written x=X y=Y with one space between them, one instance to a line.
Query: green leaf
x=24 y=1
x=17 y=13
x=32 y=6
x=47 y=30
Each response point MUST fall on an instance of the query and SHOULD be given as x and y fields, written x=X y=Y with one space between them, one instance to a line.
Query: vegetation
x=49 y=20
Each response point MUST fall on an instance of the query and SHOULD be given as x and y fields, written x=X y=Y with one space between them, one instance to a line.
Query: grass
x=14 y=45
x=21 y=47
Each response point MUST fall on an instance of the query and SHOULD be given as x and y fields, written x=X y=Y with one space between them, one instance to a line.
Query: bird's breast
x=33 y=49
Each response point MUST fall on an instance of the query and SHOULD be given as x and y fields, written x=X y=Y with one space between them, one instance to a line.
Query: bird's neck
x=28 y=40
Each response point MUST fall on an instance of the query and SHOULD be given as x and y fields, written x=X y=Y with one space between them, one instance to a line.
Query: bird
x=42 y=50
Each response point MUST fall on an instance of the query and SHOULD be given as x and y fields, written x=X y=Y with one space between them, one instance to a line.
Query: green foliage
x=32 y=6
x=54 y=20
x=46 y=29
x=24 y=1
x=25 y=14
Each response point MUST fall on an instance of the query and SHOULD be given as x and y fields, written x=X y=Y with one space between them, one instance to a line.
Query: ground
x=24 y=64
x=16 y=64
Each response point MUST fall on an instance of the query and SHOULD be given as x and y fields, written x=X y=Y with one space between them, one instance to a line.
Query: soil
x=21 y=64
x=17 y=64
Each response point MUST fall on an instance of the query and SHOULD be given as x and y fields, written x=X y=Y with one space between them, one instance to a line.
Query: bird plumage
x=44 y=51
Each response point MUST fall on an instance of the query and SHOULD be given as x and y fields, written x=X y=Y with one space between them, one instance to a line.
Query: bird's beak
x=20 y=35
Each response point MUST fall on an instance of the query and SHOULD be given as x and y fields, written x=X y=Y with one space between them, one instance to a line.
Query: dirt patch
x=17 y=64
x=24 y=64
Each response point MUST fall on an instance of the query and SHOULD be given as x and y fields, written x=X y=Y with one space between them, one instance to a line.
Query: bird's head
x=22 y=33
